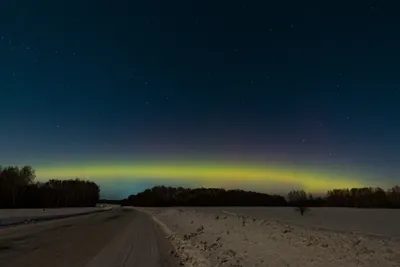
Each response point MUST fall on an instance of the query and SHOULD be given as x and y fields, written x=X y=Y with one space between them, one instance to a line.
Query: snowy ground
x=13 y=216
x=370 y=221
x=217 y=237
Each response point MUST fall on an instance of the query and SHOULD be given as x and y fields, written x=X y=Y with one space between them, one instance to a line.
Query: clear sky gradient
x=100 y=89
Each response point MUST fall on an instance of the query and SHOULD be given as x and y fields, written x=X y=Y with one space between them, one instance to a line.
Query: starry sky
x=260 y=95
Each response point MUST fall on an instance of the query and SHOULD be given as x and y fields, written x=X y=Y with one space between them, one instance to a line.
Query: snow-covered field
x=369 y=221
x=13 y=216
x=206 y=237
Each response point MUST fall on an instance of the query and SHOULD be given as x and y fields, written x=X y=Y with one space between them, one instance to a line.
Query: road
x=116 y=238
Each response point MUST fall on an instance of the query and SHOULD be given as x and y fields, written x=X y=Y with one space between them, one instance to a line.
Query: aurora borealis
x=205 y=173
x=256 y=95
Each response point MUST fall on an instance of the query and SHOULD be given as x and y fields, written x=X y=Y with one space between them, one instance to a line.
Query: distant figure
x=44 y=209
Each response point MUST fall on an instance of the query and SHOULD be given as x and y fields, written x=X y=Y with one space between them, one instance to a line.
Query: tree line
x=169 y=196
x=367 y=197
x=18 y=189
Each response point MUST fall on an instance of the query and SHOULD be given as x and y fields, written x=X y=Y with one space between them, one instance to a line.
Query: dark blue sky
x=315 y=82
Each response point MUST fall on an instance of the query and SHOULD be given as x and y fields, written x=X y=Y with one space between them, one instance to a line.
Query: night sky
x=260 y=95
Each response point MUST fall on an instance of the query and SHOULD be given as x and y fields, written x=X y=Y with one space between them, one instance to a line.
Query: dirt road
x=116 y=238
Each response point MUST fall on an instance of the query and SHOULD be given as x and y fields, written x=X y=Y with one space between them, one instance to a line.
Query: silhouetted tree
x=393 y=197
x=169 y=196
x=354 y=197
x=300 y=200
x=18 y=189
x=366 y=197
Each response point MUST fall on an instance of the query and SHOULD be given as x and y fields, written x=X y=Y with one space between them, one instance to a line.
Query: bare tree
x=300 y=200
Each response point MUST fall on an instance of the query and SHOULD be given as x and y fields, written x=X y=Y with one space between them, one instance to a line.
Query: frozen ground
x=216 y=237
x=371 y=221
x=13 y=216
